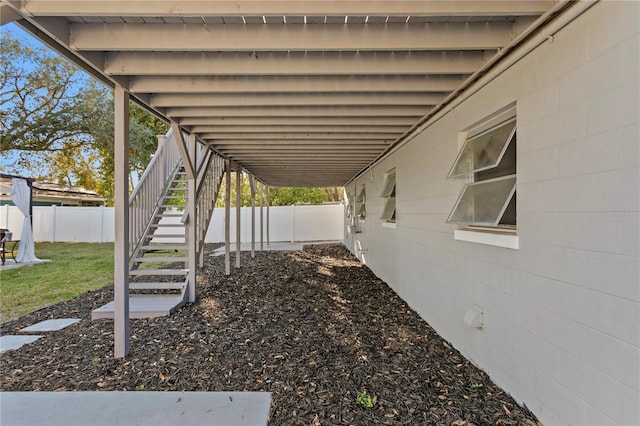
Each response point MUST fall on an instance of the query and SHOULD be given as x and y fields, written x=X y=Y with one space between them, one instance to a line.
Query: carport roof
x=299 y=93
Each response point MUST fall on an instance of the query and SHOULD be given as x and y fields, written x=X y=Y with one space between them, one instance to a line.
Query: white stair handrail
x=143 y=203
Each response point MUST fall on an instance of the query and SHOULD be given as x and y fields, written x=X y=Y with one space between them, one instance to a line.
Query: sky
x=9 y=158
x=26 y=39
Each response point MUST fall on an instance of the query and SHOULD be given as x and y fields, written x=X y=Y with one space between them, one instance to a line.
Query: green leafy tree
x=57 y=123
x=40 y=96
x=278 y=196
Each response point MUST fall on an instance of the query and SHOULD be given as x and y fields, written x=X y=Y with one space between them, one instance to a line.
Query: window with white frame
x=361 y=201
x=488 y=160
x=389 y=194
x=348 y=204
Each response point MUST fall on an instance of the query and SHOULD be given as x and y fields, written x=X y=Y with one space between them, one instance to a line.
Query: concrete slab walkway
x=134 y=408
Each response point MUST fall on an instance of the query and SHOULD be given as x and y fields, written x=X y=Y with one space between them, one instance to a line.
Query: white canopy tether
x=21 y=197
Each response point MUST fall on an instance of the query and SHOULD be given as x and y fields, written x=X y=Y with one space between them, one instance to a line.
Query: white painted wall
x=562 y=312
x=96 y=224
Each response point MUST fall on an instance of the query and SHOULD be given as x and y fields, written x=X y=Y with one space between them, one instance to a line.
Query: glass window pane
x=484 y=151
x=362 y=211
x=389 y=185
x=389 y=209
x=483 y=203
x=361 y=196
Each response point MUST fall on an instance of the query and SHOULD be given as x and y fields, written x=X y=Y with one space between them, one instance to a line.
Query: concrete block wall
x=561 y=313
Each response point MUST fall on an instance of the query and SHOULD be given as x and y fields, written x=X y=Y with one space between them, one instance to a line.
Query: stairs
x=158 y=270
x=161 y=277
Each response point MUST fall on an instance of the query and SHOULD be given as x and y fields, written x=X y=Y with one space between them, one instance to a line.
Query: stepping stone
x=10 y=342
x=51 y=325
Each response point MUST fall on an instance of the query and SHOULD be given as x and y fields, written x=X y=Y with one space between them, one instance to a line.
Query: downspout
x=542 y=30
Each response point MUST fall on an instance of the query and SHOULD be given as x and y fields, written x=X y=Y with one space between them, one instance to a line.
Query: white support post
x=238 y=204
x=268 y=204
x=193 y=220
x=252 y=184
x=227 y=219
x=121 y=201
x=261 y=216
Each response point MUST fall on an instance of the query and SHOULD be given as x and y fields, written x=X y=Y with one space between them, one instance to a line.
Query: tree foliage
x=57 y=123
x=278 y=196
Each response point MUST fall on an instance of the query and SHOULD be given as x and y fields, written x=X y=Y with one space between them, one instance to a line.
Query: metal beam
x=299 y=121
x=294 y=63
x=121 y=240
x=250 y=38
x=252 y=187
x=299 y=99
x=295 y=84
x=300 y=129
x=283 y=136
x=323 y=111
x=193 y=221
x=199 y=8
x=238 y=206
x=182 y=148
x=8 y=14
x=302 y=142
x=231 y=150
x=227 y=218
x=261 y=216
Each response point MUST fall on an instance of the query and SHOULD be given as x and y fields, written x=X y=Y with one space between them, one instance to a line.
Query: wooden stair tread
x=147 y=272
x=160 y=259
x=156 y=285
x=164 y=247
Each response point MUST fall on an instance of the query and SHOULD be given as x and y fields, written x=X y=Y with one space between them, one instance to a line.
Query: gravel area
x=332 y=342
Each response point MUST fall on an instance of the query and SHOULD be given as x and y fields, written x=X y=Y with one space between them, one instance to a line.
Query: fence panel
x=96 y=224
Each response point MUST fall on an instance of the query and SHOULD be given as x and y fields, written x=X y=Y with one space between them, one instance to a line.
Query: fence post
x=293 y=221
x=53 y=223
x=102 y=223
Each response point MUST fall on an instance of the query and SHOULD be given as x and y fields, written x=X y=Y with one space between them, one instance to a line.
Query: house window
x=389 y=194
x=348 y=204
x=361 y=210
x=488 y=158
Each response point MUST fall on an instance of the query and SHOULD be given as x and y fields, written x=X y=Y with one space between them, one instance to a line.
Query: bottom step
x=143 y=306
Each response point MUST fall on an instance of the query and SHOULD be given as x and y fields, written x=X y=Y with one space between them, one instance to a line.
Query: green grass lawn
x=74 y=269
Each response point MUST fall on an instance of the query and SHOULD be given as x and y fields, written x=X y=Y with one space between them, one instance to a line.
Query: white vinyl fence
x=96 y=224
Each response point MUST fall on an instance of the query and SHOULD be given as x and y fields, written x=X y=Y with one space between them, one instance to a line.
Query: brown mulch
x=313 y=327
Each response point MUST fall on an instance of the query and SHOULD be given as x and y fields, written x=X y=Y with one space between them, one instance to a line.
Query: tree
x=279 y=196
x=40 y=99
x=57 y=123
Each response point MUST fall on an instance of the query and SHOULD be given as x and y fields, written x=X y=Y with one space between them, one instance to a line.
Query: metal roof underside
x=299 y=93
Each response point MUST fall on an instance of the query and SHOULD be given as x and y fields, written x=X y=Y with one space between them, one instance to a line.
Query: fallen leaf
x=161 y=376
x=442 y=397
x=506 y=410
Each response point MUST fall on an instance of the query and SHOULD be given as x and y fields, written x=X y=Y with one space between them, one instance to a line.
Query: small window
x=389 y=193
x=348 y=204
x=489 y=158
x=362 y=203
x=484 y=151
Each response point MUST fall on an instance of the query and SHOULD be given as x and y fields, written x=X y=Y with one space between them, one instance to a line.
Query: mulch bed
x=314 y=327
